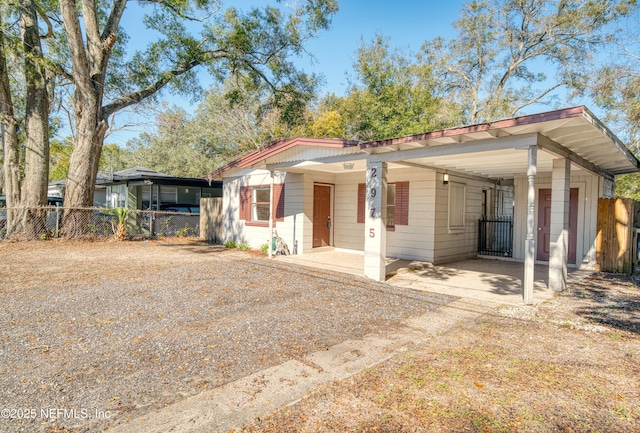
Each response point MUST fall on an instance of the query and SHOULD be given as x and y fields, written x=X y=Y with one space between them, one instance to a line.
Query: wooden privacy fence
x=211 y=219
x=616 y=242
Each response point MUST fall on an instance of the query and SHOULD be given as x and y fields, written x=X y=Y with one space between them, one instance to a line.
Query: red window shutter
x=361 y=203
x=278 y=198
x=402 y=203
x=245 y=203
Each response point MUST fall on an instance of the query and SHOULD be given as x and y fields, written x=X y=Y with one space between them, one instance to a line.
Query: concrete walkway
x=229 y=407
x=489 y=280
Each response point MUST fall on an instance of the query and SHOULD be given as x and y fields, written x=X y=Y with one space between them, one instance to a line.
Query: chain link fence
x=94 y=223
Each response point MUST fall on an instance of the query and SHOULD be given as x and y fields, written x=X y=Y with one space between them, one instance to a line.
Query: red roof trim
x=281 y=145
x=499 y=124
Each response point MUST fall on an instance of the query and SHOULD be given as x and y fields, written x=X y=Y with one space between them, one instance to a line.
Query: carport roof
x=494 y=148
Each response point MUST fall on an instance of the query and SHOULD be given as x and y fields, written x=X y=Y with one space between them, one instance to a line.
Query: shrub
x=264 y=248
x=244 y=247
x=185 y=231
x=230 y=244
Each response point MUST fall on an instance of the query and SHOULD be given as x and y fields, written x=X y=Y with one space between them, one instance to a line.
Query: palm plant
x=120 y=231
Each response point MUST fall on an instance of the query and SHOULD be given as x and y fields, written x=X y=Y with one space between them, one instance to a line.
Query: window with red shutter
x=254 y=204
x=397 y=204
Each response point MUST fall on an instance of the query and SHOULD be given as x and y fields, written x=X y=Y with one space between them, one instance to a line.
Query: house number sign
x=373 y=192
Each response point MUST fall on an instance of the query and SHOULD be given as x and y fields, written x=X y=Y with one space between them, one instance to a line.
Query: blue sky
x=408 y=24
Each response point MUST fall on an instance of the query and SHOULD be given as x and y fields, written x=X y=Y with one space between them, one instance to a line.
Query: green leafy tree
x=113 y=158
x=329 y=124
x=167 y=150
x=499 y=63
x=616 y=83
x=615 y=87
x=253 y=47
x=391 y=94
x=59 y=155
x=628 y=186
x=223 y=129
x=194 y=146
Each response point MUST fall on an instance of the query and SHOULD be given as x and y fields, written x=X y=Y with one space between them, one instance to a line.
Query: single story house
x=142 y=188
x=421 y=197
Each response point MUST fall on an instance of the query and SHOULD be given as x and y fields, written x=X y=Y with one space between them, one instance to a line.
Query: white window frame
x=255 y=203
x=457 y=207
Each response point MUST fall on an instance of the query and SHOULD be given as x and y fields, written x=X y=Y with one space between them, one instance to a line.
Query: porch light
x=445 y=178
x=348 y=165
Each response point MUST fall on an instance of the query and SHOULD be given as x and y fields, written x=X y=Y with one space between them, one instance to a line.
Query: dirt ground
x=569 y=365
x=94 y=335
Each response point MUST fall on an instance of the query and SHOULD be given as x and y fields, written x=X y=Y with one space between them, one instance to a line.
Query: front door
x=544 y=224
x=321 y=215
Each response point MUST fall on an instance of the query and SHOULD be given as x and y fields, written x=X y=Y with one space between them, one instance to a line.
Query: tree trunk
x=84 y=161
x=83 y=165
x=89 y=67
x=11 y=167
x=36 y=164
x=9 y=138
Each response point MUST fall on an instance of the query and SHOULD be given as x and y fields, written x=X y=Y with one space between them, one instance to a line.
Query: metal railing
x=93 y=223
x=495 y=236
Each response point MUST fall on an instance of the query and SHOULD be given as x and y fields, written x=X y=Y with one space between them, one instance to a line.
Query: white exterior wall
x=425 y=238
x=413 y=241
x=416 y=240
x=456 y=245
x=588 y=192
x=348 y=234
x=291 y=229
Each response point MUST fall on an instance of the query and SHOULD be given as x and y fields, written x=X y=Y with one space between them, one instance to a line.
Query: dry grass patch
x=571 y=365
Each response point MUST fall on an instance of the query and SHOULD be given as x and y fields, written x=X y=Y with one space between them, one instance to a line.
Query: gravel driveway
x=95 y=334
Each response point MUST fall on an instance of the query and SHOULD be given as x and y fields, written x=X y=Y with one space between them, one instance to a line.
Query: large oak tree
x=25 y=83
x=254 y=48
x=510 y=54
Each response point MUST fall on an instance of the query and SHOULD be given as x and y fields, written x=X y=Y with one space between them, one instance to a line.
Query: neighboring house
x=142 y=188
x=421 y=197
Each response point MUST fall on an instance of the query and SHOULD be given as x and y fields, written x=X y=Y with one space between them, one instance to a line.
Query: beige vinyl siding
x=412 y=241
x=588 y=192
x=348 y=234
x=415 y=240
x=458 y=243
x=426 y=237
x=235 y=229
x=292 y=228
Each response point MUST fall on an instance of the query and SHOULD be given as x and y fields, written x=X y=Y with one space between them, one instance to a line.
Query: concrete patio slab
x=486 y=279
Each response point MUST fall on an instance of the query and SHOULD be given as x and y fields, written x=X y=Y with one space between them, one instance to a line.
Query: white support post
x=559 y=227
x=375 y=244
x=530 y=243
x=271 y=216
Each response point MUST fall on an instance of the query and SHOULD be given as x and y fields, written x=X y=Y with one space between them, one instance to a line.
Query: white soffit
x=579 y=132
